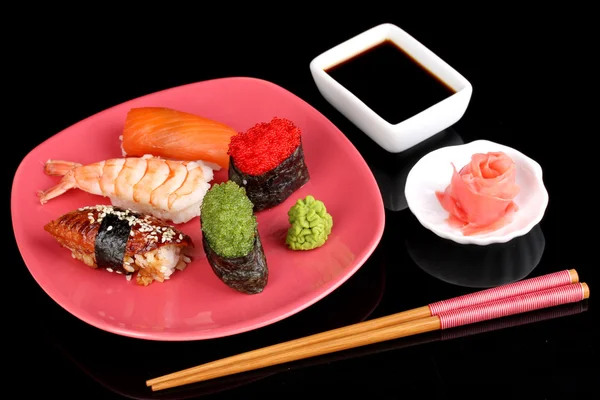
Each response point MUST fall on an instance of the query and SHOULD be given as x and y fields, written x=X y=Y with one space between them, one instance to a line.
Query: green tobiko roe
x=228 y=221
x=311 y=224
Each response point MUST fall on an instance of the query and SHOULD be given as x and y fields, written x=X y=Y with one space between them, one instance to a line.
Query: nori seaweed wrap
x=123 y=241
x=268 y=161
x=231 y=240
x=247 y=274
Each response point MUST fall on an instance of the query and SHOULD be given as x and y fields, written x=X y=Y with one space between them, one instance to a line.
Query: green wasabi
x=311 y=224
x=228 y=221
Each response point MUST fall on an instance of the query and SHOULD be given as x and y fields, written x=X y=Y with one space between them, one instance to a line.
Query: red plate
x=194 y=304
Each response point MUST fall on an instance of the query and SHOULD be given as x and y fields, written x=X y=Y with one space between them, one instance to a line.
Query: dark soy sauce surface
x=385 y=68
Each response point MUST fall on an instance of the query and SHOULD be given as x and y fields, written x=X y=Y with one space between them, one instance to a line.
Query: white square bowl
x=398 y=137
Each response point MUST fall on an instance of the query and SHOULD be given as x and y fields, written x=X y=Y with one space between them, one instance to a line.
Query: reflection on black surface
x=454 y=333
x=476 y=266
x=404 y=343
x=391 y=169
x=123 y=364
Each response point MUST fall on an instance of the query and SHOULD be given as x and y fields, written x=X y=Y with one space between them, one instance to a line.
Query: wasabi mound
x=310 y=224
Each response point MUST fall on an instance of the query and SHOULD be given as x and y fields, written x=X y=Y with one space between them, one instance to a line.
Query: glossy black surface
x=67 y=73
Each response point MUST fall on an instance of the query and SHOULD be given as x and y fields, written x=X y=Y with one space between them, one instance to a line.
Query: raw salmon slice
x=168 y=133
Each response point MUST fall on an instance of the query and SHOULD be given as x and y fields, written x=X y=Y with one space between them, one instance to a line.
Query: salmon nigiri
x=168 y=133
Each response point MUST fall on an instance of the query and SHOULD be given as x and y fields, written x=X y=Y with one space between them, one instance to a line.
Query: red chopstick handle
x=516 y=320
x=544 y=282
x=515 y=305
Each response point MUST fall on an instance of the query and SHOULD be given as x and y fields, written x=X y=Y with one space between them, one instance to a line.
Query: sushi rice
x=124 y=242
x=158 y=264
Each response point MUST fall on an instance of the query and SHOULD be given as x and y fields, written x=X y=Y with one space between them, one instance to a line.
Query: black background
x=532 y=77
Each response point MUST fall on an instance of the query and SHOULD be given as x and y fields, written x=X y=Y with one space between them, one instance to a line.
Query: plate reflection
x=122 y=364
x=391 y=169
x=476 y=266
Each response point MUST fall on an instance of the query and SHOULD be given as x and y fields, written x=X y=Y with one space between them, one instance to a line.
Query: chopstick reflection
x=476 y=266
x=435 y=336
x=449 y=334
x=561 y=287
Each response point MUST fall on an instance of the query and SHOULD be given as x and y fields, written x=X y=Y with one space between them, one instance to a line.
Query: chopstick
x=508 y=322
x=496 y=309
x=239 y=363
x=445 y=320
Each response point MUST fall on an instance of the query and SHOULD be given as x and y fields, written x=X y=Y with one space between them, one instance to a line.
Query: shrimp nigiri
x=167 y=189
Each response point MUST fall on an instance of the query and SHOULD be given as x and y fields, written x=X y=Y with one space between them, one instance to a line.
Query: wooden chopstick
x=240 y=362
x=512 y=321
x=506 y=323
x=518 y=304
x=521 y=287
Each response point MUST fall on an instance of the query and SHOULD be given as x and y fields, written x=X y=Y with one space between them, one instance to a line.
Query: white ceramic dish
x=398 y=137
x=434 y=171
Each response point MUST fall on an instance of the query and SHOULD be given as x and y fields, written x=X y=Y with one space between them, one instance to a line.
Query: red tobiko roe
x=264 y=146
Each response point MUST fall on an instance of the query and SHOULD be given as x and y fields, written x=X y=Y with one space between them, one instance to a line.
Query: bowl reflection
x=122 y=364
x=476 y=266
x=391 y=169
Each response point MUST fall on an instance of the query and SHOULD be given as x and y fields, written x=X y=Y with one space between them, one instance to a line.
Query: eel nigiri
x=231 y=240
x=167 y=189
x=174 y=134
x=268 y=161
x=122 y=241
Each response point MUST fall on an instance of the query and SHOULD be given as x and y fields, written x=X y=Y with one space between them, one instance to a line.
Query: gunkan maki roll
x=268 y=160
x=231 y=240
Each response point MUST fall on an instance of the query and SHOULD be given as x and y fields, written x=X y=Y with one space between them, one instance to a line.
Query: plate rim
x=484 y=241
x=238 y=327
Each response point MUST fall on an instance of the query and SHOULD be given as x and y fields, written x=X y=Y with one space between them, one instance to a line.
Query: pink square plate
x=194 y=304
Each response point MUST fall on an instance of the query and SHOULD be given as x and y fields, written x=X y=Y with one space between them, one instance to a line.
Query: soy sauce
x=390 y=82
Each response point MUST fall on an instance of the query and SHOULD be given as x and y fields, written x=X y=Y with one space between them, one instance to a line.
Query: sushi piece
x=122 y=241
x=231 y=240
x=167 y=189
x=168 y=133
x=268 y=160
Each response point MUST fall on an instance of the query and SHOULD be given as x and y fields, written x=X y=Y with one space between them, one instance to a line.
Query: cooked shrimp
x=167 y=189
